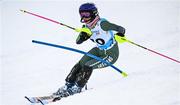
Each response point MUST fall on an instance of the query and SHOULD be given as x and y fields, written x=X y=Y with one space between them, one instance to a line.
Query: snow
x=34 y=70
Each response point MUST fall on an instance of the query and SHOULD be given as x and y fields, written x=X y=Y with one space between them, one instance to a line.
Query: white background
x=34 y=70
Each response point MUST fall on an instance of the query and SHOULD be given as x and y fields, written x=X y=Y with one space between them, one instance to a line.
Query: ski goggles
x=85 y=14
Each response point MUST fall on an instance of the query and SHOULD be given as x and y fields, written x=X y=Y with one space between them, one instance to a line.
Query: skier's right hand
x=85 y=30
x=83 y=36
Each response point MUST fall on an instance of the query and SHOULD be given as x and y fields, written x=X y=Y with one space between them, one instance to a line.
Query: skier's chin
x=87 y=22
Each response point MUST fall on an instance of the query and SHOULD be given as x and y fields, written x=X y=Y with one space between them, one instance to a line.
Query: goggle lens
x=85 y=14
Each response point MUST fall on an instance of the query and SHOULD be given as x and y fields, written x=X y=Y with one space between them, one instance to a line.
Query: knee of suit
x=84 y=66
x=87 y=68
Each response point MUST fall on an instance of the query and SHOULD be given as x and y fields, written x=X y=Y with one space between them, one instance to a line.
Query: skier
x=107 y=49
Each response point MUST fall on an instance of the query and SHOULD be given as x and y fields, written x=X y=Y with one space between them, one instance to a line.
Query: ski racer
x=107 y=49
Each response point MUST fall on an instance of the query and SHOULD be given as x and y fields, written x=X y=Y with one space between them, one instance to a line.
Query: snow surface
x=34 y=70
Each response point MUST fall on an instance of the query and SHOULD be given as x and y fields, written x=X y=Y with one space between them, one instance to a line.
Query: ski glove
x=120 y=34
x=83 y=36
x=85 y=30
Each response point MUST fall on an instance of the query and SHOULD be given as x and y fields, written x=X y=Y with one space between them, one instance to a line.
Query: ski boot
x=67 y=90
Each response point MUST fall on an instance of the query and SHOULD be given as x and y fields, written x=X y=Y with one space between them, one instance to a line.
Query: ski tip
x=42 y=102
x=28 y=99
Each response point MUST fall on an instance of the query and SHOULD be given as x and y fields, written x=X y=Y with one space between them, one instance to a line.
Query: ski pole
x=123 y=39
x=47 y=19
x=153 y=51
x=76 y=29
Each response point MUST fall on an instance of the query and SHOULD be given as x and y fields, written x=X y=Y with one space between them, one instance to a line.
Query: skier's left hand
x=120 y=38
x=120 y=34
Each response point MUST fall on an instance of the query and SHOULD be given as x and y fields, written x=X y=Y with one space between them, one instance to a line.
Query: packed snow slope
x=36 y=70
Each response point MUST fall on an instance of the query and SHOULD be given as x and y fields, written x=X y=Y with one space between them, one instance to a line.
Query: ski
x=44 y=100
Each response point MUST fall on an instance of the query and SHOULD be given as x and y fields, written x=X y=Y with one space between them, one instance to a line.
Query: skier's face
x=86 y=20
x=85 y=14
x=85 y=17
